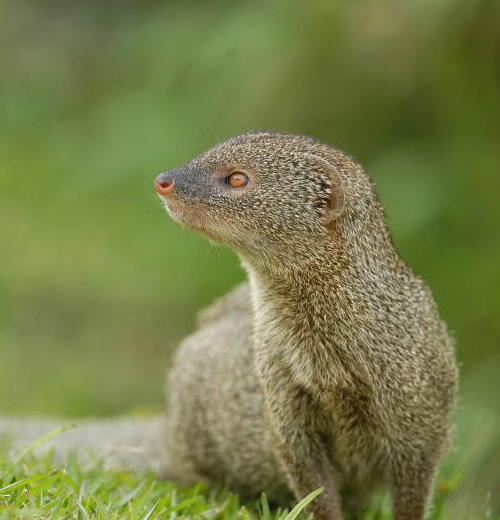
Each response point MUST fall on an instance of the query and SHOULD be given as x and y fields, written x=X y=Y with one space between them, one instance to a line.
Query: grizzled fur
x=331 y=368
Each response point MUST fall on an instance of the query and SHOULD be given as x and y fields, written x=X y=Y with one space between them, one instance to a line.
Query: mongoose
x=331 y=368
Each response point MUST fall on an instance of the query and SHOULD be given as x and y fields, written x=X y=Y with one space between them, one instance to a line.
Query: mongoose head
x=271 y=197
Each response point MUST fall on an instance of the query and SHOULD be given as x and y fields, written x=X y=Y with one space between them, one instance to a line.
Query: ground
x=31 y=487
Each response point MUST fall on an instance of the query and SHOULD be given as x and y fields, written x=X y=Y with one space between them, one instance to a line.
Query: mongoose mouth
x=188 y=216
x=180 y=212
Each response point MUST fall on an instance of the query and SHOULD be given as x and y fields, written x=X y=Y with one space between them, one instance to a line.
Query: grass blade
x=295 y=512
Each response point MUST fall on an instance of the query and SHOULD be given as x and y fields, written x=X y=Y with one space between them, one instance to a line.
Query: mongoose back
x=331 y=368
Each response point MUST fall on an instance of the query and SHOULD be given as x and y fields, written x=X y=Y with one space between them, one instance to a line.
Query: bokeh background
x=97 y=286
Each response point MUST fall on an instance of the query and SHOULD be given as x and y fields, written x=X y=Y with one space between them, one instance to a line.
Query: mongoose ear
x=336 y=198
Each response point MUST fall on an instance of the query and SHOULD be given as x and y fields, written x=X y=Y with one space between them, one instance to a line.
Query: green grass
x=33 y=487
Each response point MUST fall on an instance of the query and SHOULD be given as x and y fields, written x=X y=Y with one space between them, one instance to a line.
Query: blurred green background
x=97 y=286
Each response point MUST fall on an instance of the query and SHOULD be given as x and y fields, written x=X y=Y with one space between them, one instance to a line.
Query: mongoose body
x=331 y=368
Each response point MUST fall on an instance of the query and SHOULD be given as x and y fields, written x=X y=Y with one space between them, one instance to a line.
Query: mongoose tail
x=122 y=443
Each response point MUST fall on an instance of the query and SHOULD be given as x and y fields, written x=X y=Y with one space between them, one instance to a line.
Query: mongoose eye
x=237 y=180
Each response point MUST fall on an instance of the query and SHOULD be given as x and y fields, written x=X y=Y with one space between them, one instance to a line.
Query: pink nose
x=164 y=184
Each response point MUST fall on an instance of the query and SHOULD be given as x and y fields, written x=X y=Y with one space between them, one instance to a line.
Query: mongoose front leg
x=300 y=448
x=412 y=489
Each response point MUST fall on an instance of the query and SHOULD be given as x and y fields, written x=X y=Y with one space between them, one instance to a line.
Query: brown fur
x=331 y=368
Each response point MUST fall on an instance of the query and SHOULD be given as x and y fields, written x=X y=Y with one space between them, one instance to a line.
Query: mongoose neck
x=327 y=270
x=322 y=304
x=308 y=318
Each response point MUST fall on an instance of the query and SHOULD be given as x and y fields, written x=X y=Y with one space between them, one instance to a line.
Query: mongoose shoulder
x=332 y=368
